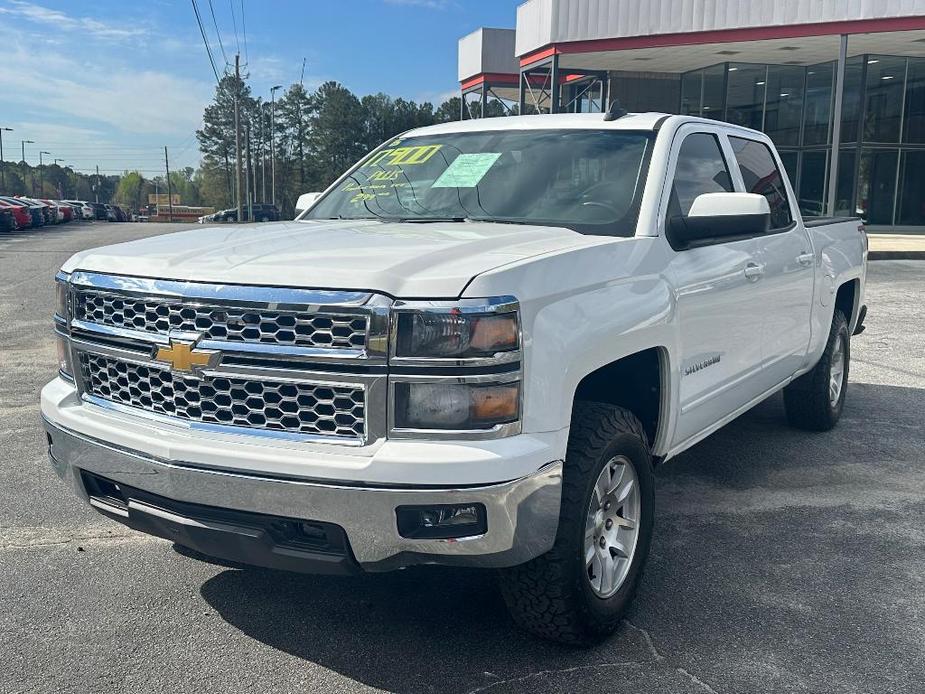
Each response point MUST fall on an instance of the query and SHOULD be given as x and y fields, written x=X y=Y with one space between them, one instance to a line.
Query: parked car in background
x=99 y=211
x=22 y=214
x=86 y=210
x=35 y=210
x=120 y=214
x=7 y=223
x=262 y=212
x=68 y=212
x=55 y=211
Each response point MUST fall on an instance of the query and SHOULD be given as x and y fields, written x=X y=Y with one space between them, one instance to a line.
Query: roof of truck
x=556 y=121
x=574 y=121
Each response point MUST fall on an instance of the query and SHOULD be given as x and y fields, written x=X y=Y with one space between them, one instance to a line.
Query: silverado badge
x=183 y=357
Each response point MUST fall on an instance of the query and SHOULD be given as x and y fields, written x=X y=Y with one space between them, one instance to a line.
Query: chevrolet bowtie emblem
x=183 y=357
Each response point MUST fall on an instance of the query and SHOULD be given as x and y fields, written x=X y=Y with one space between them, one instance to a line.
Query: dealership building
x=839 y=85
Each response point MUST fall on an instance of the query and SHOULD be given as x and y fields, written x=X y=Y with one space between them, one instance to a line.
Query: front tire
x=578 y=592
x=815 y=400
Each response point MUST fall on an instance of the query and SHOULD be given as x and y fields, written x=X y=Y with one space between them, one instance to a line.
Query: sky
x=110 y=83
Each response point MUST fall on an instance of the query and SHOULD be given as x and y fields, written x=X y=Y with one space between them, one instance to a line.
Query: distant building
x=839 y=86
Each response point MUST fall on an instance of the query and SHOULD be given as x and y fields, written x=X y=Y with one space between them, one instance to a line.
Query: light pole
x=2 y=171
x=23 y=143
x=42 y=174
x=273 y=142
x=60 y=187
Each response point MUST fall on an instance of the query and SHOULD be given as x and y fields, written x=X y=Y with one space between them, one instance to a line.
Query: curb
x=896 y=255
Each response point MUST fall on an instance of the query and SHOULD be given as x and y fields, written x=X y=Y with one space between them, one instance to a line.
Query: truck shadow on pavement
x=724 y=588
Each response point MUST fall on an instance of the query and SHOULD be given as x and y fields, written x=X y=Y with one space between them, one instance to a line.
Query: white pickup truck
x=472 y=349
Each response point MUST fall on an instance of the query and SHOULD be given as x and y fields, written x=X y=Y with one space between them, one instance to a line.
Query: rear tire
x=815 y=400
x=565 y=595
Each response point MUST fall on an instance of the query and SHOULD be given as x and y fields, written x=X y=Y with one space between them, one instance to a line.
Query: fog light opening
x=441 y=522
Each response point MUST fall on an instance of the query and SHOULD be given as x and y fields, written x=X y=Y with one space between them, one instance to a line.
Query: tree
x=336 y=137
x=449 y=110
x=217 y=135
x=129 y=190
x=293 y=112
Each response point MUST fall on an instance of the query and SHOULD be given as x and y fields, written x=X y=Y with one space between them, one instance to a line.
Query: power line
x=205 y=41
x=247 y=58
x=235 y=23
x=218 y=34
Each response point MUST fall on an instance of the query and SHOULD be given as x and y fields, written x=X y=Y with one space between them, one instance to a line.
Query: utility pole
x=42 y=174
x=169 y=196
x=247 y=178
x=263 y=157
x=96 y=188
x=273 y=142
x=2 y=170
x=237 y=134
x=24 y=143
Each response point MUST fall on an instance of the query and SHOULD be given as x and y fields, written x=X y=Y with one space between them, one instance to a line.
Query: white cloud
x=436 y=98
x=46 y=15
x=133 y=101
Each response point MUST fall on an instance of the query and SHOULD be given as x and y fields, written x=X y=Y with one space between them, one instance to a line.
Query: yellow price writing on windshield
x=405 y=156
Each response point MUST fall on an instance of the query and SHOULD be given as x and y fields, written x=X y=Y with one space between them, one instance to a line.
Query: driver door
x=718 y=312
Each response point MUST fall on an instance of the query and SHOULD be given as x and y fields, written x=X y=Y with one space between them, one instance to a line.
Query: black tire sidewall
x=605 y=610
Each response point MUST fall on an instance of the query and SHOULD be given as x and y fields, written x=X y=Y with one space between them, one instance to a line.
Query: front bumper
x=522 y=514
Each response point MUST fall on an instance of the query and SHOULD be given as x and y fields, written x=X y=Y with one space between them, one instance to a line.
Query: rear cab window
x=762 y=176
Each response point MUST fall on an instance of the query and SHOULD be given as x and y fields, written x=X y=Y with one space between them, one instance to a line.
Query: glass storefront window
x=784 y=110
x=911 y=208
x=885 y=78
x=714 y=92
x=817 y=112
x=691 y=84
x=791 y=160
x=812 y=182
x=851 y=100
x=745 y=95
x=915 y=102
x=877 y=185
x=844 y=191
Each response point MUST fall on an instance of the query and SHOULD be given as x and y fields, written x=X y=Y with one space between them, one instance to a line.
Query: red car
x=22 y=216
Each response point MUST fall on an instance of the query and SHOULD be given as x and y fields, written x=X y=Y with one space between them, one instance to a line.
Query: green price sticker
x=467 y=170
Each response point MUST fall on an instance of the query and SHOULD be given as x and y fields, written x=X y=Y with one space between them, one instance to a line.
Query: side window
x=761 y=175
x=701 y=169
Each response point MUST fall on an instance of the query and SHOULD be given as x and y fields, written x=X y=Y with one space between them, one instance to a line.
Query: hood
x=408 y=260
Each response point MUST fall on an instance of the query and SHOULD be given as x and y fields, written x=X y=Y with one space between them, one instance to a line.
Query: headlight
x=64 y=355
x=456 y=406
x=467 y=329
x=61 y=302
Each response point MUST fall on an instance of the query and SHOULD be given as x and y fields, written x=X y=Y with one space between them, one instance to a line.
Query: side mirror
x=715 y=216
x=305 y=201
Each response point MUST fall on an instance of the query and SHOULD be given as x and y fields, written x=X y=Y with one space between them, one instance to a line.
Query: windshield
x=586 y=180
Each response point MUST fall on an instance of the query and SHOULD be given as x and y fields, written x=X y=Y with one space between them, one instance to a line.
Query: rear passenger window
x=761 y=175
x=701 y=169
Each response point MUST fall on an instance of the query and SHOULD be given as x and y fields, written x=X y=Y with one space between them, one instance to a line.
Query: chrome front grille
x=295 y=408
x=301 y=364
x=231 y=323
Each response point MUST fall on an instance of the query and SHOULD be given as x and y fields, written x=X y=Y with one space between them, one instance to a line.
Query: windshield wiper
x=426 y=220
x=502 y=221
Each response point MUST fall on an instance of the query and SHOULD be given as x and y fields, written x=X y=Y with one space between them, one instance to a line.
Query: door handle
x=754 y=272
x=806 y=258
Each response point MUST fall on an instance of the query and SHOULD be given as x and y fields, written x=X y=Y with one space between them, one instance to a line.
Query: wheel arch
x=847 y=300
x=639 y=382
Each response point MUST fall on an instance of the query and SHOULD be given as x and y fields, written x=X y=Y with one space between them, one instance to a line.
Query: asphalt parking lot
x=783 y=561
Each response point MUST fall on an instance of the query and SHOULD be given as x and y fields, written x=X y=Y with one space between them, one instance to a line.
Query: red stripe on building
x=694 y=38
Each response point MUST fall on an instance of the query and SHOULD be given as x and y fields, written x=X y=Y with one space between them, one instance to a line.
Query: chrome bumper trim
x=523 y=514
